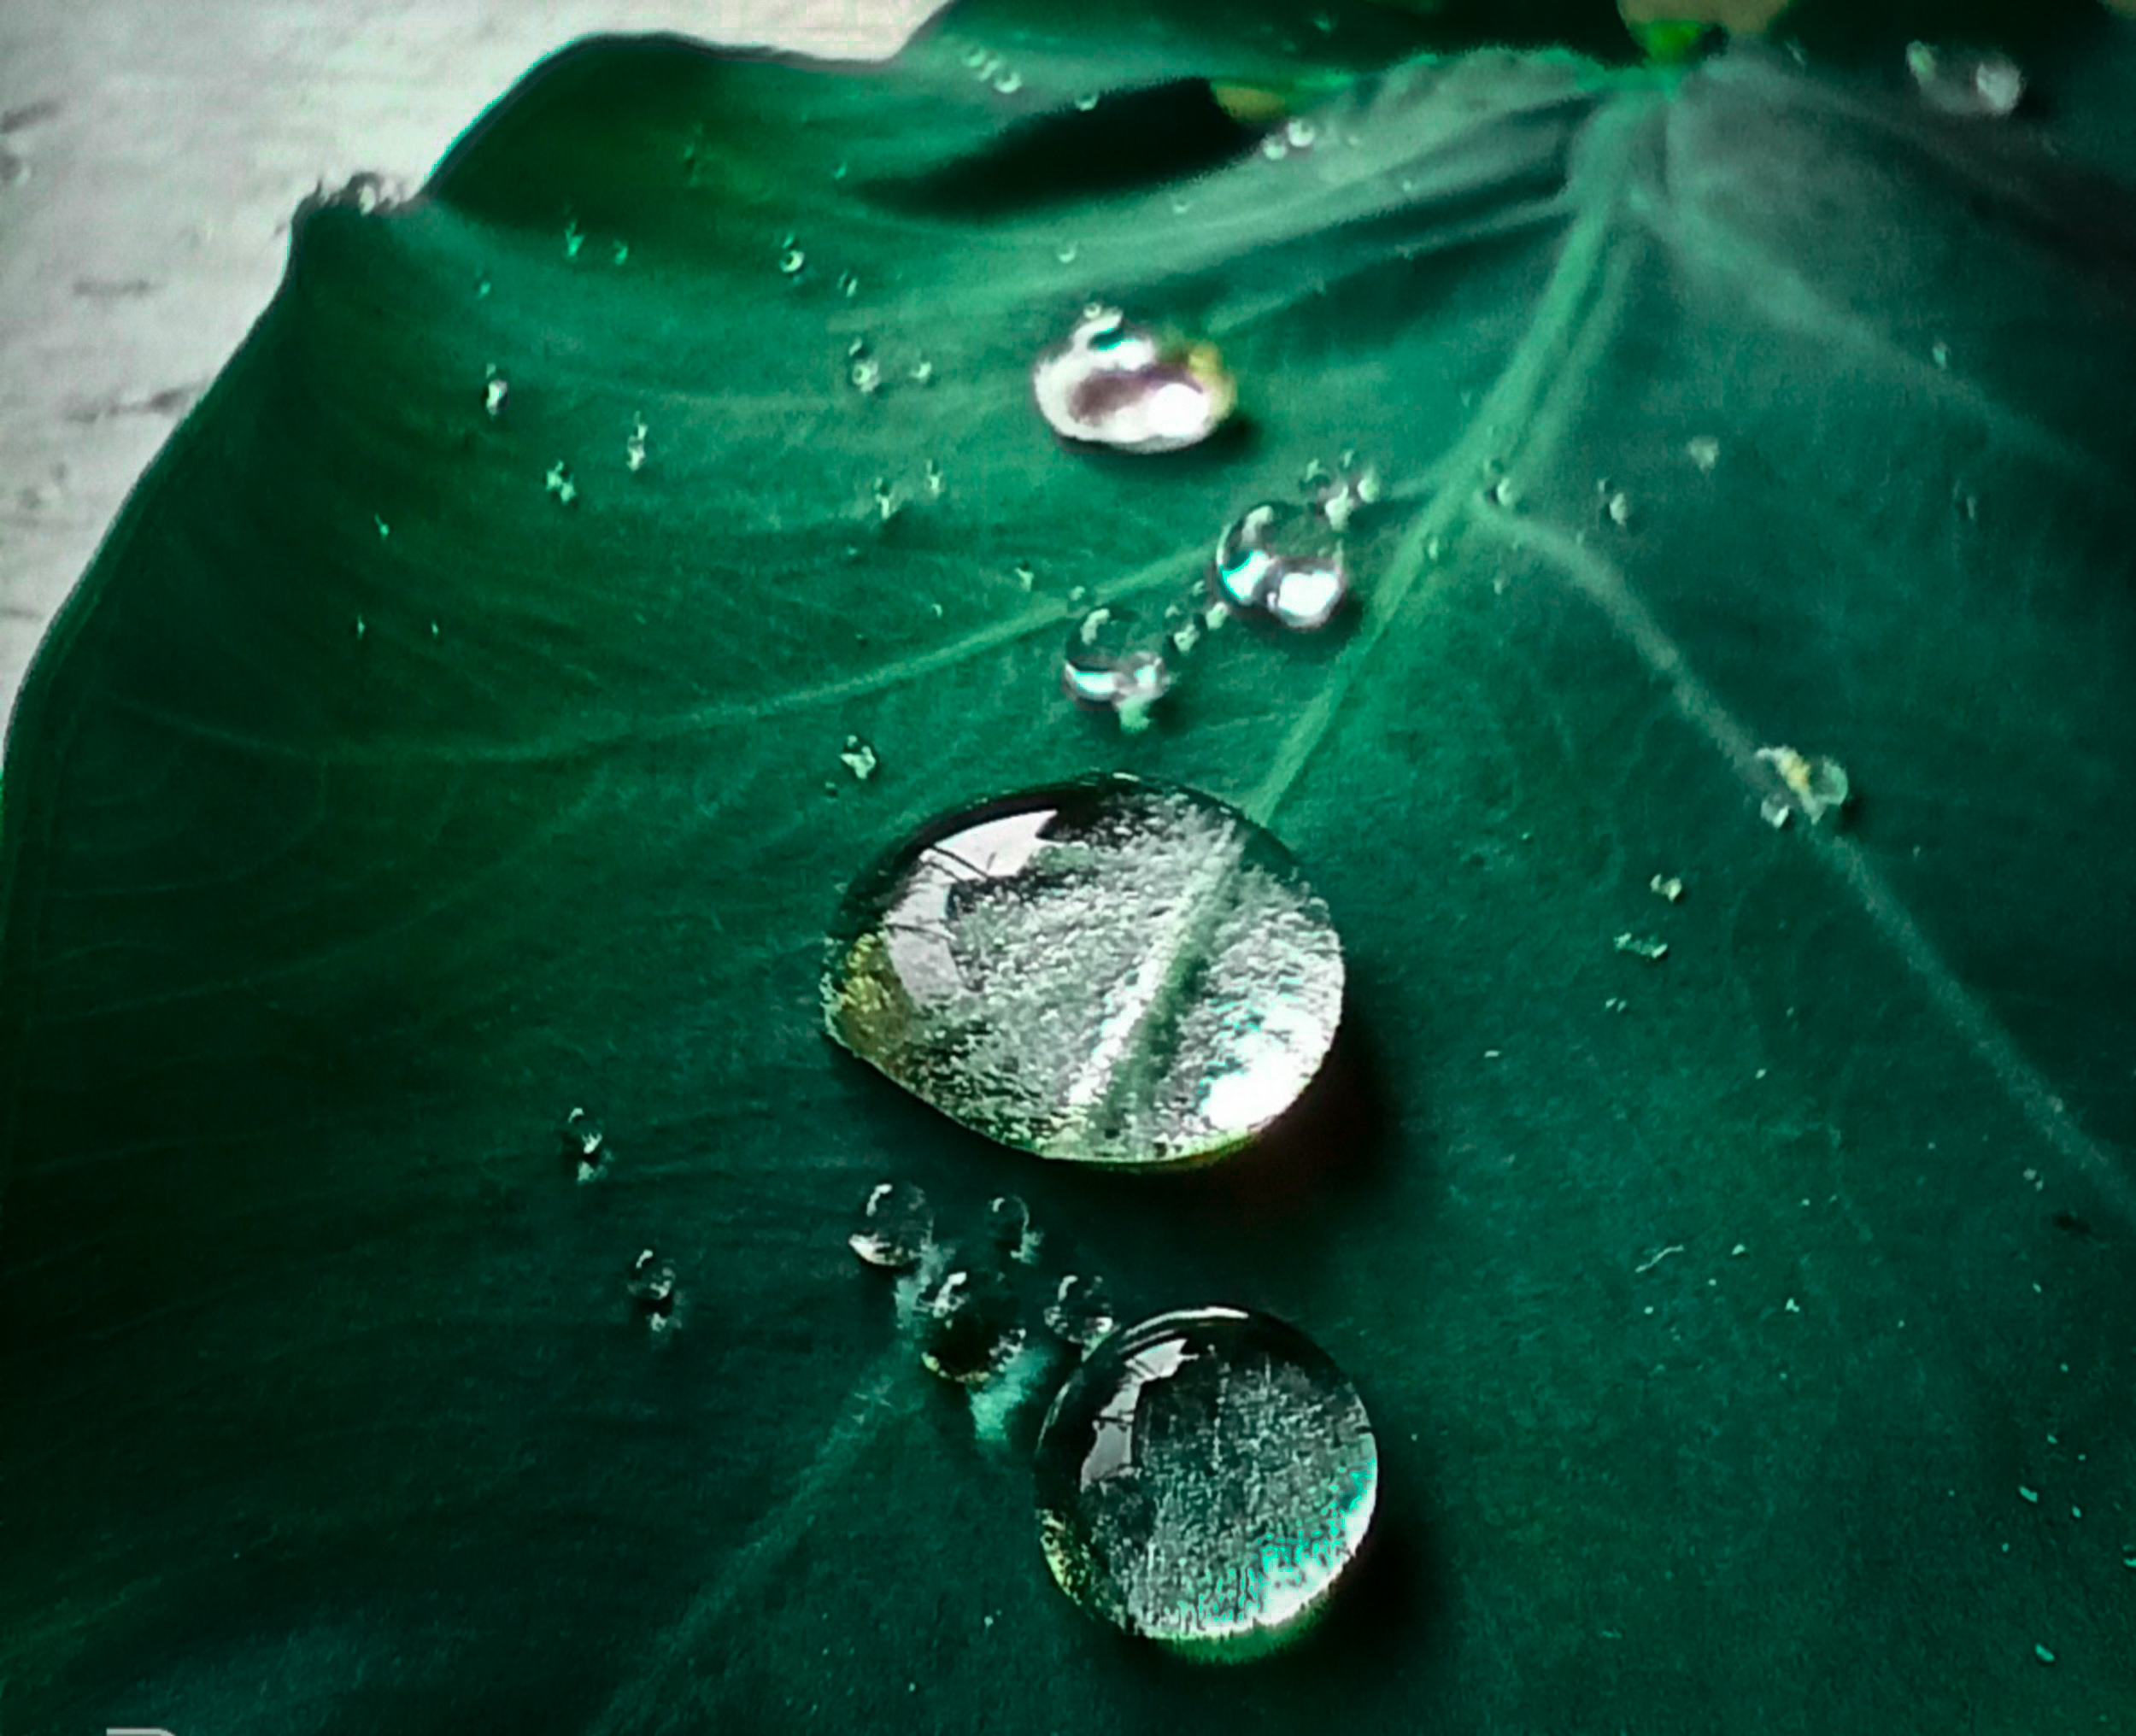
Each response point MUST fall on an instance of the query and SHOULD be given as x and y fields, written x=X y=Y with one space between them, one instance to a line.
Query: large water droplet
x=1108 y=971
x=1116 y=384
x=1204 y=1479
x=896 y=1226
x=1282 y=562
x=1115 y=659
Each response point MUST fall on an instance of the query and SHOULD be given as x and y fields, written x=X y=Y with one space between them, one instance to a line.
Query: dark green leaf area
x=450 y=734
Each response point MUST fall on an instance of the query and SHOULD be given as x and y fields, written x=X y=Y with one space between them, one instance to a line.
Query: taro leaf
x=1748 y=1328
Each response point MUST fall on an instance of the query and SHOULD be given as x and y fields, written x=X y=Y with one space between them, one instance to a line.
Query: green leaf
x=404 y=775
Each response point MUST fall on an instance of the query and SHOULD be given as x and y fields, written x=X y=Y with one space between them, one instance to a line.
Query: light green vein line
x=658 y=1692
x=1573 y=316
x=2022 y=1083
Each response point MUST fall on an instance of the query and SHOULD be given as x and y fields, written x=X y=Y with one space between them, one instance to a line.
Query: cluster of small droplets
x=634 y=445
x=989 y=69
x=862 y=369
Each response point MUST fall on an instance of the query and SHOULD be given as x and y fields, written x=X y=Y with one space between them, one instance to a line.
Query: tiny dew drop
x=1087 y=101
x=495 y=389
x=858 y=757
x=897 y=1227
x=634 y=445
x=585 y=1146
x=792 y=261
x=1204 y=1480
x=1081 y=1311
x=965 y=1323
x=1300 y=134
x=1283 y=563
x=557 y=482
x=652 y=1289
x=1116 y=660
x=1109 y=971
x=1010 y=1228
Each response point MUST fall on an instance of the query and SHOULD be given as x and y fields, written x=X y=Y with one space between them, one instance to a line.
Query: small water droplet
x=361 y=628
x=585 y=1146
x=1010 y=1228
x=1504 y=493
x=923 y=371
x=1116 y=660
x=1180 y=204
x=1284 y=563
x=1939 y=354
x=1065 y=253
x=385 y=529
x=495 y=390
x=897 y=1226
x=1116 y=384
x=1274 y=147
x=1704 y=450
x=1645 y=946
x=1081 y=1311
x=620 y=252
x=482 y=287
x=840 y=173
x=1619 y=509
x=1008 y=82
x=937 y=483
x=574 y=239
x=1205 y=1478
x=865 y=373
x=559 y=483
x=634 y=445
x=1985 y=86
x=1300 y=134
x=1087 y=101
x=976 y=57
x=653 y=1291
x=966 y=1322
x=1817 y=786
x=792 y=261
x=886 y=498
x=1668 y=887
x=1109 y=971
x=858 y=757
x=1024 y=573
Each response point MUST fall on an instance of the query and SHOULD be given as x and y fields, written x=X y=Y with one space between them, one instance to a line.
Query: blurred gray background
x=151 y=152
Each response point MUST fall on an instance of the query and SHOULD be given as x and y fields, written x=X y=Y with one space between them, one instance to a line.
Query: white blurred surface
x=151 y=152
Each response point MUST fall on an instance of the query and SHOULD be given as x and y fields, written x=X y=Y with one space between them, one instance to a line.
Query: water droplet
x=1986 y=86
x=923 y=371
x=634 y=445
x=965 y=1323
x=574 y=238
x=897 y=1226
x=1704 y=450
x=1300 y=134
x=559 y=483
x=1025 y=575
x=886 y=499
x=1939 y=354
x=1116 y=659
x=1010 y=1228
x=1008 y=83
x=495 y=390
x=858 y=757
x=1087 y=101
x=1204 y=1479
x=1618 y=507
x=937 y=483
x=792 y=261
x=1180 y=204
x=1668 y=887
x=653 y=1291
x=585 y=1146
x=1108 y=971
x=1081 y=1311
x=1504 y=493
x=1281 y=562
x=385 y=529
x=1065 y=253
x=976 y=57
x=1274 y=147
x=619 y=252
x=1817 y=787
x=1643 y=946
x=849 y=284
x=866 y=374
x=1116 y=384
